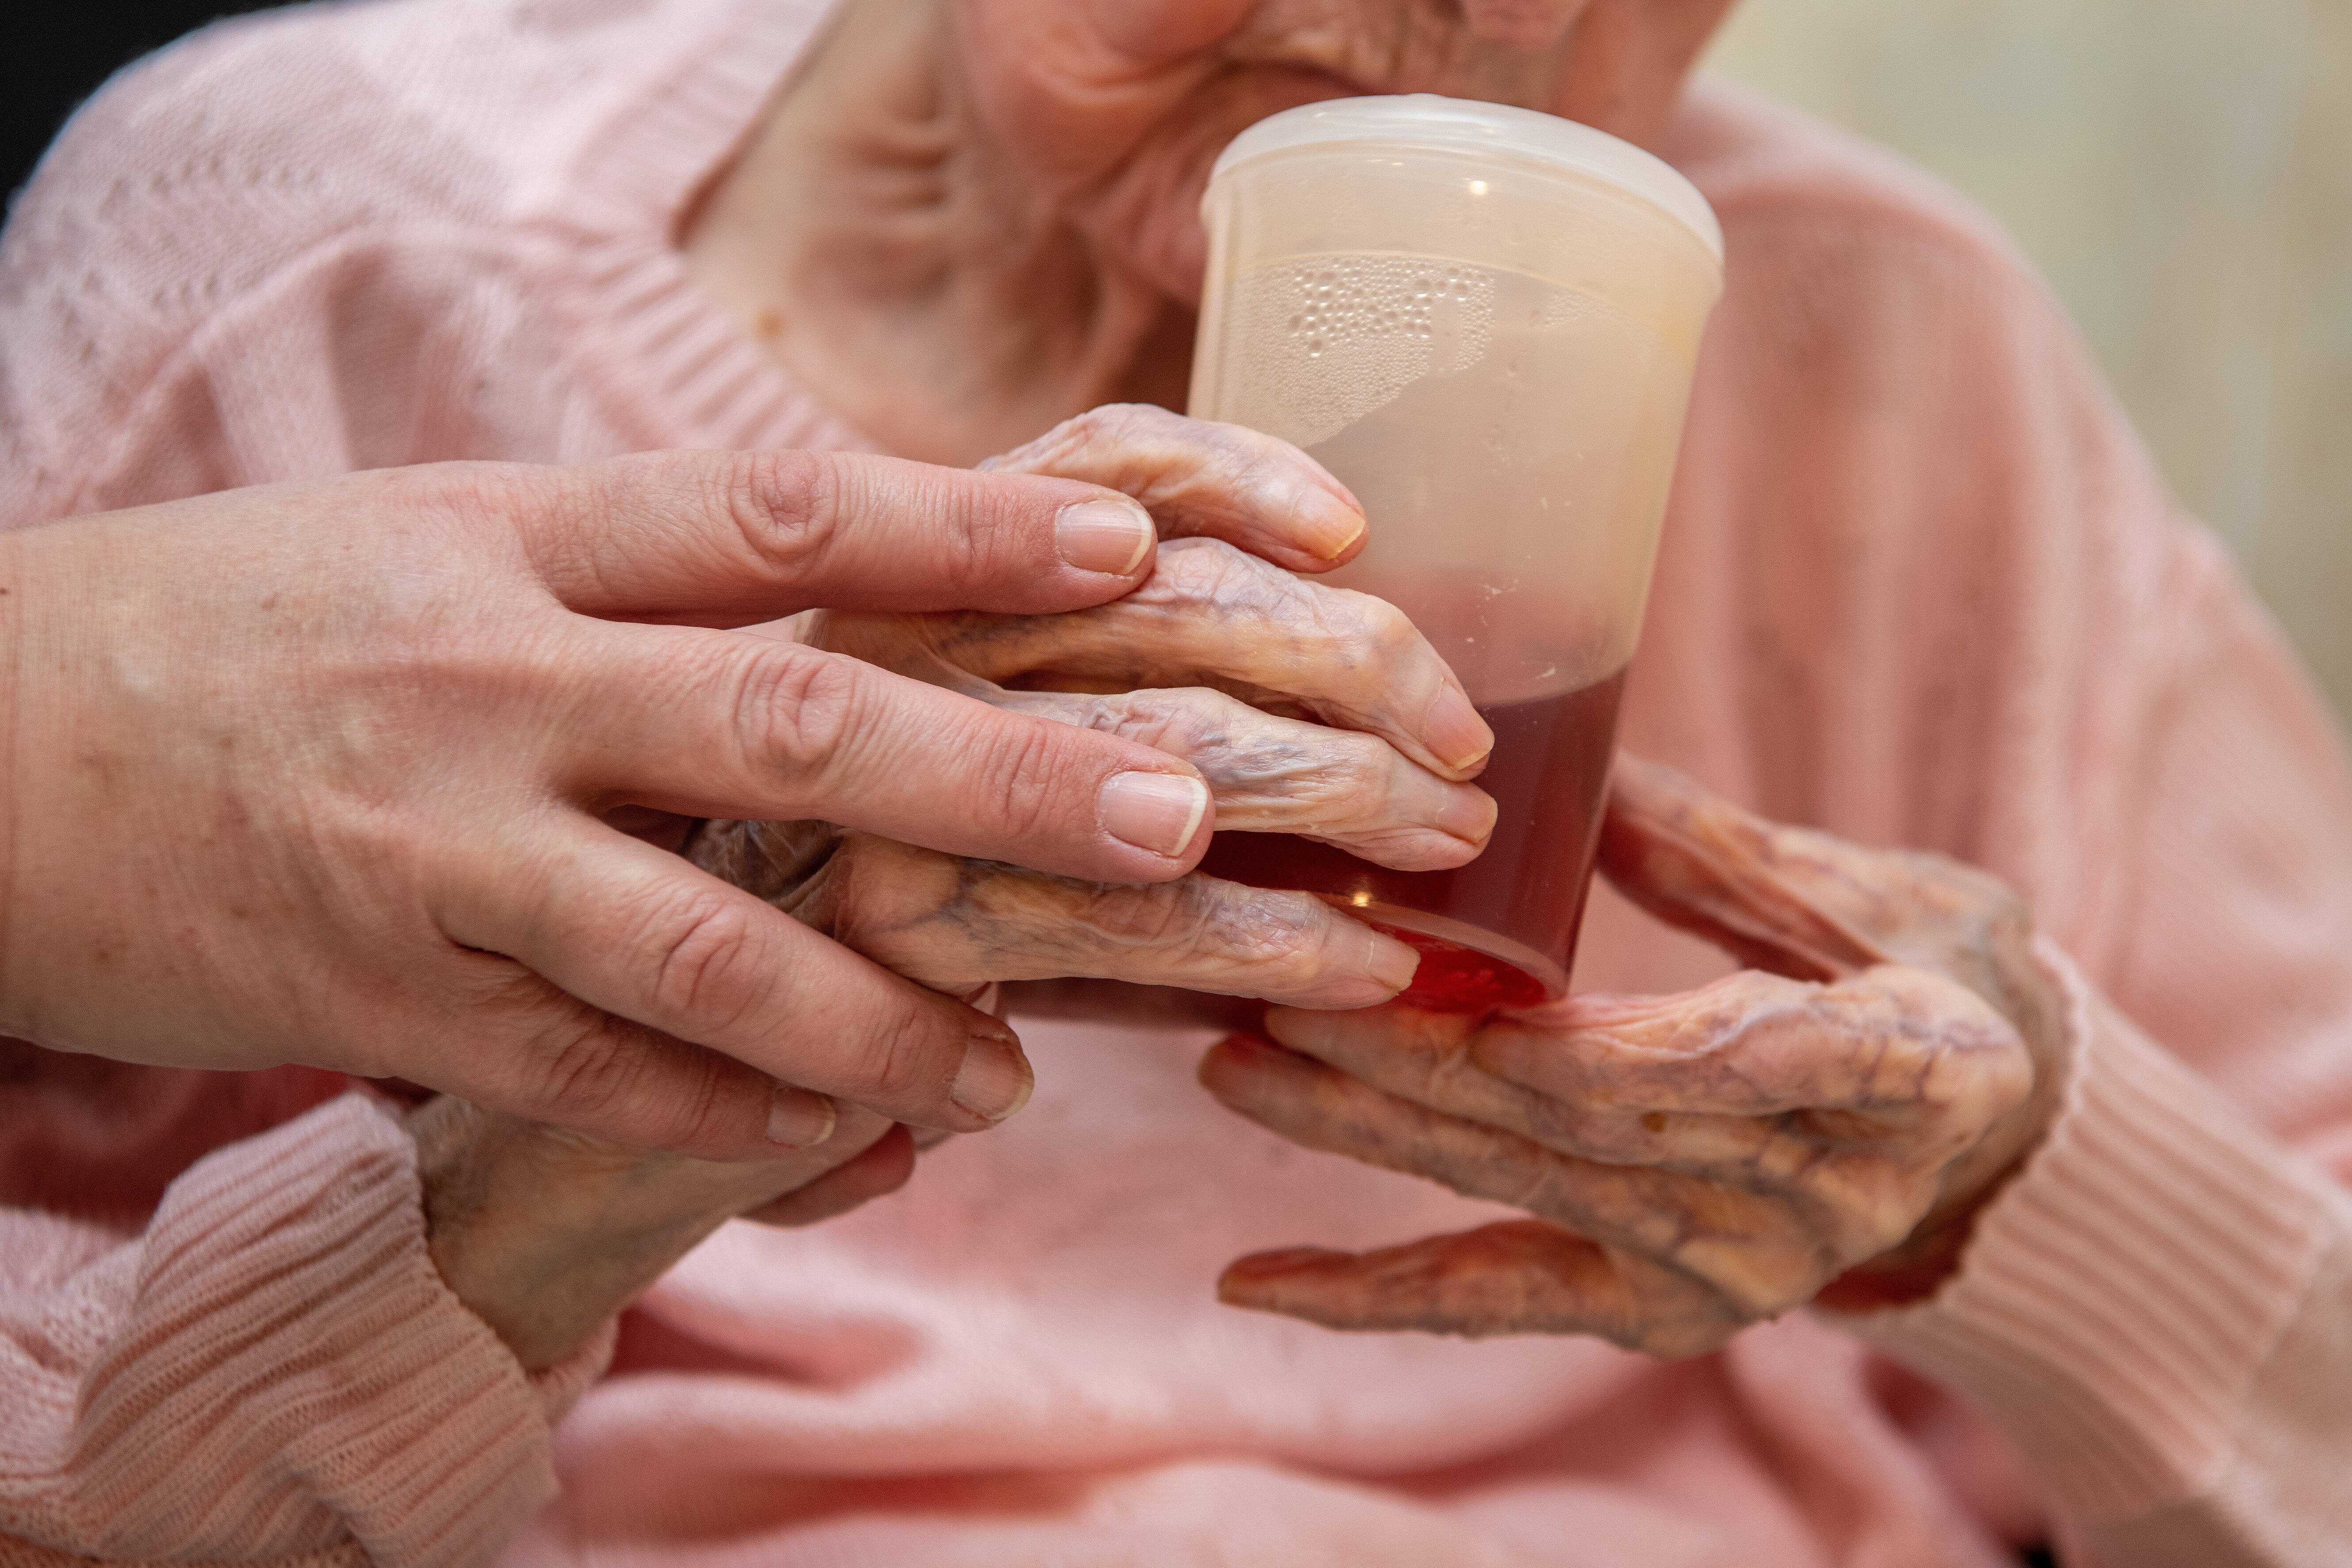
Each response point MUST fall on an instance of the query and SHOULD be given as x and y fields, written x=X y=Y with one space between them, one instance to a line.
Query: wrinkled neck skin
x=873 y=239
x=963 y=221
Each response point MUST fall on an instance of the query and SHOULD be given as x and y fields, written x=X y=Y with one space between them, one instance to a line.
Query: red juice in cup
x=1548 y=773
x=1482 y=320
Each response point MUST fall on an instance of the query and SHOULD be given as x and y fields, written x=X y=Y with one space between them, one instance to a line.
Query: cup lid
x=1458 y=124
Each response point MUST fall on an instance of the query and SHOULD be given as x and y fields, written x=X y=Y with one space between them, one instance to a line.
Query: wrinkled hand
x=543 y=1233
x=1836 y=1113
x=1309 y=710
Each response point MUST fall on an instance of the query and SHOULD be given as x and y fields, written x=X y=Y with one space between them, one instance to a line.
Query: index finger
x=733 y=538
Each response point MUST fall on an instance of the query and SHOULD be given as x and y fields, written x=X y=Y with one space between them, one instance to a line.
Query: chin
x=1147 y=214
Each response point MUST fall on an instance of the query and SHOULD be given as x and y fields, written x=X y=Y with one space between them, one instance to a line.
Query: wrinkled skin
x=1832 y=1117
x=544 y=1232
x=1115 y=111
x=1190 y=663
x=965 y=220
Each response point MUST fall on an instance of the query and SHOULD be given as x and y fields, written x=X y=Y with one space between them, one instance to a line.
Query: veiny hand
x=544 y=1232
x=1208 y=661
x=1697 y=1162
x=318 y=774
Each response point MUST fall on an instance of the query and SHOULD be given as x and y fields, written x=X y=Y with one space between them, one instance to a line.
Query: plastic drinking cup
x=1482 y=320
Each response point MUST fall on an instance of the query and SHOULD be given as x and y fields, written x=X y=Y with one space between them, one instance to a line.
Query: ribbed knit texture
x=1919 y=586
x=2122 y=1297
x=275 y=1370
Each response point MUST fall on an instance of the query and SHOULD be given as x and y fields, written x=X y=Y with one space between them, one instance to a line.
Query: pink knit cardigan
x=1919 y=588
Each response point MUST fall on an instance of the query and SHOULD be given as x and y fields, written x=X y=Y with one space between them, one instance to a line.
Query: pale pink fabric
x=1920 y=587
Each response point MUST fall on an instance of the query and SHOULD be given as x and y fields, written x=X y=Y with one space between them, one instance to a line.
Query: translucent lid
x=1426 y=120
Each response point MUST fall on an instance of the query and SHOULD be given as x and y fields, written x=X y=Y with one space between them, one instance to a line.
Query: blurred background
x=2180 y=170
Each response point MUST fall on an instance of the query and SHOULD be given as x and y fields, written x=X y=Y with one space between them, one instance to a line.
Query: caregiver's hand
x=1695 y=1163
x=317 y=773
x=1191 y=662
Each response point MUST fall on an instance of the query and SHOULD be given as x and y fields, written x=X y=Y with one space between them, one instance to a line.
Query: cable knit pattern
x=1919 y=585
x=281 y=1319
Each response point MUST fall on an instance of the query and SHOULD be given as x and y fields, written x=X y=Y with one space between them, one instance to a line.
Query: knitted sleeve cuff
x=291 y=1373
x=2120 y=1297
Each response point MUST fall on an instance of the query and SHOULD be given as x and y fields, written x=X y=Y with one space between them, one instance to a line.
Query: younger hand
x=1698 y=1163
x=324 y=772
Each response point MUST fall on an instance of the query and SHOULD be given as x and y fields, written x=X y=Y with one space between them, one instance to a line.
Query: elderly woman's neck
x=872 y=240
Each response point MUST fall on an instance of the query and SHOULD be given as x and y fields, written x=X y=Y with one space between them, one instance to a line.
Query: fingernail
x=994 y=1081
x=1158 y=812
x=1453 y=729
x=1468 y=815
x=1329 y=524
x=1387 y=969
x=1106 y=536
x=1393 y=963
x=797 y=1119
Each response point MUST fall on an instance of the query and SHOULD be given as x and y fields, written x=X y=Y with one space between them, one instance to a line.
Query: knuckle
x=476 y=497
x=597 y=1068
x=1293 y=945
x=1360 y=784
x=1019 y=765
x=882 y=893
x=1542 y=1191
x=1223 y=938
x=581 y=1064
x=899 y=1060
x=1385 y=628
x=1165 y=918
x=1106 y=425
x=1201 y=571
x=701 y=946
x=1074 y=443
x=1192 y=722
x=786 y=505
x=1434 y=1058
x=696 y=1109
x=1303 y=776
x=798 y=711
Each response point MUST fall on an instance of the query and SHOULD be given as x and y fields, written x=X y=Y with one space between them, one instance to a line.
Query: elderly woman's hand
x=543 y=1233
x=1209 y=660
x=1824 y=1125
